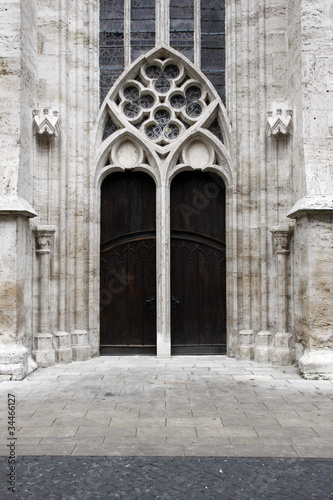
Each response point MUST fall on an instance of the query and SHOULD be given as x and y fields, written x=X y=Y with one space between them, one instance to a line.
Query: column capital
x=44 y=236
x=281 y=236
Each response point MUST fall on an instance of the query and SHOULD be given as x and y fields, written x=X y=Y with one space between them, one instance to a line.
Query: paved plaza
x=185 y=406
x=188 y=427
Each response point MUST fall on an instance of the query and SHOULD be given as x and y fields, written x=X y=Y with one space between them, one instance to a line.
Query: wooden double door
x=128 y=264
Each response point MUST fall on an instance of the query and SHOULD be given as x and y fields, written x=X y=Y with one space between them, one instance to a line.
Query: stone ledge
x=15 y=205
x=311 y=204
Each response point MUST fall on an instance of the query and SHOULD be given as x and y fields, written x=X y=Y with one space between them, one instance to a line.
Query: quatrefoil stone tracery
x=162 y=101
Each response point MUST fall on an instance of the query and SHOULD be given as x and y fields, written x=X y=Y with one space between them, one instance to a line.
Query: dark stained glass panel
x=213 y=43
x=182 y=27
x=142 y=27
x=111 y=43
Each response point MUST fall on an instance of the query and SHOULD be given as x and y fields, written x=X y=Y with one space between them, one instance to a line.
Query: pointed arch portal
x=163 y=121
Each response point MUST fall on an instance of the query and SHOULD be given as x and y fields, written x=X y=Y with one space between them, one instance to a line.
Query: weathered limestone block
x=263 y=349
x=80 y=348
x=43 y=349
x=245 y=349
x=62 y=347
x=283 y=349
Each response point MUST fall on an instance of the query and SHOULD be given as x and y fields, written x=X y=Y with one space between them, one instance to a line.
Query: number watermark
x=11 y=445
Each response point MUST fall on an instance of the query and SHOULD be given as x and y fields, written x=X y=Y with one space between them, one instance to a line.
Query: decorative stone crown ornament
x=279 y=122
x=46 y=122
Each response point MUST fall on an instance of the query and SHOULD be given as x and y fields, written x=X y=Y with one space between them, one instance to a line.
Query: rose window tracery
x=162 y=100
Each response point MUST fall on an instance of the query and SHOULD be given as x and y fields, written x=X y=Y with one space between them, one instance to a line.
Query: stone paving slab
x=73 y=477
x=185 y=406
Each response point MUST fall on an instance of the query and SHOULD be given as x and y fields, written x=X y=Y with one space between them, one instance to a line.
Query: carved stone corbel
x=279 y=122
x=46 y=122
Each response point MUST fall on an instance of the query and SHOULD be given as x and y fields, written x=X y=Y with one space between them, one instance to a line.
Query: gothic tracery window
x=162 y=101
x=128 y=29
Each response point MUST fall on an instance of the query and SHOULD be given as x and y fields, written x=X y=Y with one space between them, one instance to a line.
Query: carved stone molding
x=281 y=239
x=279 y=122
x=44 y=236
x=46 y=122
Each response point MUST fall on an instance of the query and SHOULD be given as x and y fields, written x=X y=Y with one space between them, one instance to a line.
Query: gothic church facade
x=166 y=181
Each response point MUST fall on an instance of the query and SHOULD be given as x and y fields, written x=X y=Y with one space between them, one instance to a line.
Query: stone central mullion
x=127 y=33
x=163 y=271
x=162 y=22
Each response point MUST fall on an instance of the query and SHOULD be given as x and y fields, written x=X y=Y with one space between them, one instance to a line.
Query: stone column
x=163 y=272
x=43 y=341
x=281 y=245
x=282 y=350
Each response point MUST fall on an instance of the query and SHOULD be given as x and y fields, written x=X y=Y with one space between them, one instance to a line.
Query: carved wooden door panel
x=128 y=264
x=198 y=267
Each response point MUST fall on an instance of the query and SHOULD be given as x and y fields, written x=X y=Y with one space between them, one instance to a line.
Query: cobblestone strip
x=70 y=478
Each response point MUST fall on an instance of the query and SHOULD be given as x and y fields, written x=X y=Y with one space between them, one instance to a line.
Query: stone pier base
x=245 y=350
x=43 y=349
x=283 y=352
x=81 y=350
x=263 y=349
x=62 y=347
x=316 y=362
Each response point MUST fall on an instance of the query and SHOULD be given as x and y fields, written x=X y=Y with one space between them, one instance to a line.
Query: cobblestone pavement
x=182 y=478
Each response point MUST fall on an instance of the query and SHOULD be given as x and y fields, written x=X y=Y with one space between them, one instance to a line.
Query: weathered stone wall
x=67 y=83
x=257 y=82
x=313 y=163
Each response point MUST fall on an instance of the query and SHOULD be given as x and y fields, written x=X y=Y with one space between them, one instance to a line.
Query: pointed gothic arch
x=163 y=116
x=172 y=84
